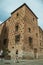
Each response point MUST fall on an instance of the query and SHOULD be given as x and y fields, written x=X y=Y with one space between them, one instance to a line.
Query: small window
x=30 y=41
x=16 y=27
x=4 y=41
x=33 y=19
x=17 y=14
x=40 y=44
x=35 y=50
x=13 y=47
x=36 y=34
x=17 y=38
x=29 y=29
x=9 y=51
x=16 y=51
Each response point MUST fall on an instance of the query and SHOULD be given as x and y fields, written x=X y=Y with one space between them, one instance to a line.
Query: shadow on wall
x=4 y=39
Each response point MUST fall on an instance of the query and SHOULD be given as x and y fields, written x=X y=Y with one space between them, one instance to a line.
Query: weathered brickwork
x=41 y=39
x=27 y=30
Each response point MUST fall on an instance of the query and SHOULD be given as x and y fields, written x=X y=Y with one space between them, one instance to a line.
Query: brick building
x=41 y=40
x=21 y=32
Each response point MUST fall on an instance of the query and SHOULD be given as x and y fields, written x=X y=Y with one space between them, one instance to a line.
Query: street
x=22 y=62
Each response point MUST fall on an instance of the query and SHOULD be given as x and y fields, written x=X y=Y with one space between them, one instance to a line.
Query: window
x=30 y=41
x=16 y=27
x=16 y=51
x=13 y=47
x=35 y=50
x=9 y=51
x=36 y=34
x=29 y=29
x=4 y=41
x=40 y=44
x=17 y=38
x=33 y=19
x=17 y=14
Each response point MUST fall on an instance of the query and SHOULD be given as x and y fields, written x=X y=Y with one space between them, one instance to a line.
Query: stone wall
x=28 y=27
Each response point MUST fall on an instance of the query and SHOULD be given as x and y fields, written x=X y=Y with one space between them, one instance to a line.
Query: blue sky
x=7 y=6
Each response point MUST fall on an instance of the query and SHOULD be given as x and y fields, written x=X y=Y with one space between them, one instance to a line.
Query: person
x=1 y=52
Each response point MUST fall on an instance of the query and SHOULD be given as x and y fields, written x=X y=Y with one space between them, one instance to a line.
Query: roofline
x=19 y=8
x=5 y=20
x=40 y=28
x=22 y=6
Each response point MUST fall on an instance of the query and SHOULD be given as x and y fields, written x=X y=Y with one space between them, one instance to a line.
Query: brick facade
x=21 y=32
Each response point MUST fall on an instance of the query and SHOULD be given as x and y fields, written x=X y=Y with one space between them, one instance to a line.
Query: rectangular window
x=16 y=27
x=17 y=38
x=29 y=29
x=40 y=44
x=36 y=34
x=30 y=41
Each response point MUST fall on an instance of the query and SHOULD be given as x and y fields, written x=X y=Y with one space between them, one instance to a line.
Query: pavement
x=22 y=62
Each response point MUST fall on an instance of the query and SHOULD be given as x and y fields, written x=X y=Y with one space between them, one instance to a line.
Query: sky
x=8 y=6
